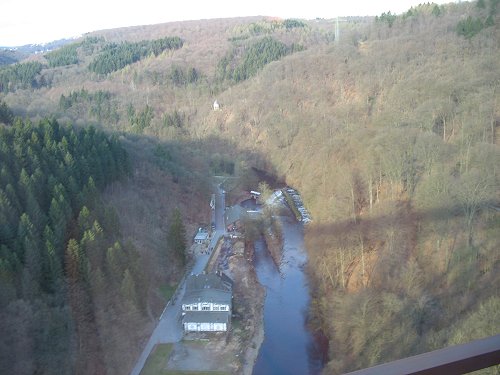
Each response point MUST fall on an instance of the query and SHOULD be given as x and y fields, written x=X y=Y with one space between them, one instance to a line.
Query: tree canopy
x=240 y=65
x=66 y=55
x=53 y=233
x=20 y=75
x=115 y=56
x=176 y=237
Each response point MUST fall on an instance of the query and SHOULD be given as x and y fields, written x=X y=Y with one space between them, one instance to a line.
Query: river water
x=288 y=347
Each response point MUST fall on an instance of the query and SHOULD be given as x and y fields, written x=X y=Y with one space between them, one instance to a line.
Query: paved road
x=169 y=328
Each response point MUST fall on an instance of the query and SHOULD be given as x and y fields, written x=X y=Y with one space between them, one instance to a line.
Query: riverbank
x=272 y=229
x=274 y=242
x=289 y=347
x=257 y=334
x=247 y=332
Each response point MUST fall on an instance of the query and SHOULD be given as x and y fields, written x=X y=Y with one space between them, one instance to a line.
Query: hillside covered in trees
x=390 y=131
x=53 y=228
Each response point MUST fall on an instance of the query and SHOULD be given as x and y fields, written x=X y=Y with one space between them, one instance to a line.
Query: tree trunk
x=370 y=188
x=444 y=129
x=362 y=260
x=379 y=184
x=353 y=201
x=470 y=228
x=332 y=280
x=450 y=252
x=342 y=273
x=493 y=135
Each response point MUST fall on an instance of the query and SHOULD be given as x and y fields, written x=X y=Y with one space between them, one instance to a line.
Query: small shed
x=216 y=105
x=254 y=194
x=201 y=237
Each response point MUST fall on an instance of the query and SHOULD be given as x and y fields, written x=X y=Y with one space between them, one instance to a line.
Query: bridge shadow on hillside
x=438 y=238
x=403 y=216
x=190 y=162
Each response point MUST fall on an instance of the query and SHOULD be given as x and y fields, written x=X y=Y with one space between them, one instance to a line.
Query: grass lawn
x=157 y=360
x=167 y=291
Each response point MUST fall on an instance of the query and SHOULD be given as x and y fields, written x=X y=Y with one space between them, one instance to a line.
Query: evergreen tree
x=116 y=56
x=128 y=288
x=176 y=237
x=8 y=219
x=6 y=115
x=29 y=248
x=66 y=55
x=52 y=271
x=47 y=195
x=113 y=262
x=253 y=58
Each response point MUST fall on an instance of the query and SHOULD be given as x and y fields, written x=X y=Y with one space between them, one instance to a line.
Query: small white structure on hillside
x=254 y=194
x=216 y=105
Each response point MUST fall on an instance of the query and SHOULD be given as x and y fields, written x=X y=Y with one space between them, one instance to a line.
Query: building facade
x=207 y=303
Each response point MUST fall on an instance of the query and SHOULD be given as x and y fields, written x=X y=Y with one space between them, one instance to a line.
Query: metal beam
x=459 y=359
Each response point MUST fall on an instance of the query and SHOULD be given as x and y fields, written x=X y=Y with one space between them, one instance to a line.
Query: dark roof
x=209 y=281
x=206 y=317
x=234 y=213
x=208 y=295
x=210 y=287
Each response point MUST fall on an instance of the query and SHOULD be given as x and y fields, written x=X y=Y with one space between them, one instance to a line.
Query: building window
x=187 y=307
x=195 y=307
x=205 y=308
x=216 y=307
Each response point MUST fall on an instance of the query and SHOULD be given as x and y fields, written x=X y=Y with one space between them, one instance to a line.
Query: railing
x=459 y=359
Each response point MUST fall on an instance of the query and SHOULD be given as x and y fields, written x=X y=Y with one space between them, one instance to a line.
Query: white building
x=207 y=303
x=254 y=194
x=201 y=237
x=216 y=105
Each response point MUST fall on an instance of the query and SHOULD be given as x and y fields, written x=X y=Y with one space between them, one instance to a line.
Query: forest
x=20 y=76
x=66 y=55
x=115 y=56
x=390 y=131
x=53 y=226
x=98 y=105
x=242 y=63
x=67 y=274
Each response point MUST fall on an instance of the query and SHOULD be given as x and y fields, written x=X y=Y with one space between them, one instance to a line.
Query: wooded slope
x=390 y=133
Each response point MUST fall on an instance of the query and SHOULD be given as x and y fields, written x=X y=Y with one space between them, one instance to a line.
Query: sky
x=36 y=21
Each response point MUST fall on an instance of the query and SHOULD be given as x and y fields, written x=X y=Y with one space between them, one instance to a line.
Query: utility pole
x=337 y=34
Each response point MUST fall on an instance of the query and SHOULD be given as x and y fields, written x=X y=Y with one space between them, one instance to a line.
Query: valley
x=389 y=130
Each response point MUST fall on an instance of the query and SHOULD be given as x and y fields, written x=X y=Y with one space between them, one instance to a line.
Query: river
x=288 y=347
